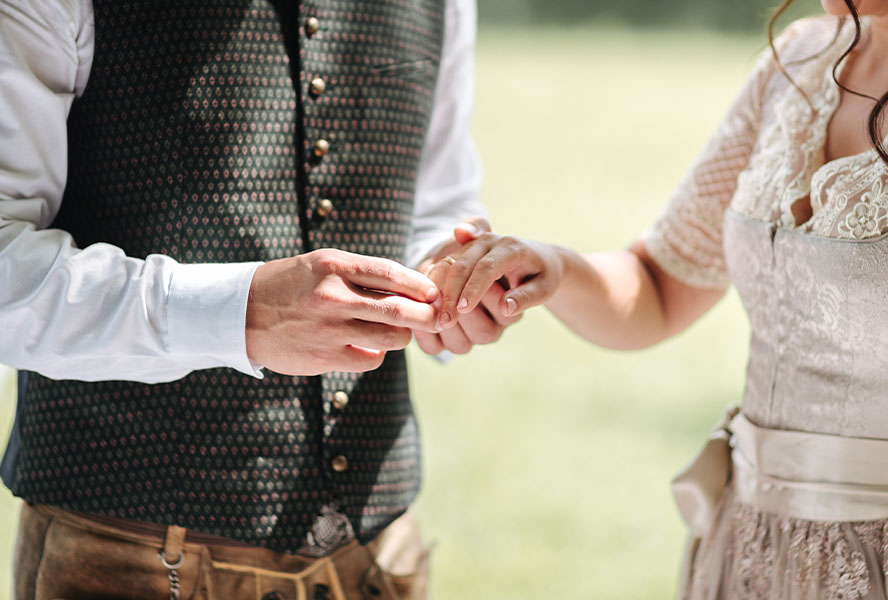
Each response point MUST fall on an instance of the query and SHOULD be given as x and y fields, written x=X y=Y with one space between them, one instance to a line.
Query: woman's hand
x=528 y=272
x=484 y=325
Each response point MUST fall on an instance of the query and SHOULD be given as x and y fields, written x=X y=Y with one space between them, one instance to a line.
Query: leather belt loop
x=174 y=543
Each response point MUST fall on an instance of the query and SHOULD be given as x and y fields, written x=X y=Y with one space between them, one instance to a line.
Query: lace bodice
x=768 y=155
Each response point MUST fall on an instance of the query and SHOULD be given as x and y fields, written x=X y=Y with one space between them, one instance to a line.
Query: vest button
x=325 y=207
x=340 y=464
x=340 y=400
x=312 y=25
x=318 y=86
x=321 y=148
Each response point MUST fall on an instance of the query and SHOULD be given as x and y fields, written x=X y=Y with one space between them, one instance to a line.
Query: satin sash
x=811 y=476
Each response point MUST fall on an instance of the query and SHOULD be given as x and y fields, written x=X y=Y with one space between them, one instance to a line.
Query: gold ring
x=449 y=260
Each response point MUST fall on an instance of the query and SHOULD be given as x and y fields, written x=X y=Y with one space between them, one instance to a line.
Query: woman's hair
x=874 y=123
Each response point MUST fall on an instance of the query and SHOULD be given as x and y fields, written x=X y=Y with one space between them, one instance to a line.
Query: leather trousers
x=62 y=555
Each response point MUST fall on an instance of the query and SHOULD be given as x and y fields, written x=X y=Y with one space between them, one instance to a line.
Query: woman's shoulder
x=808 y=37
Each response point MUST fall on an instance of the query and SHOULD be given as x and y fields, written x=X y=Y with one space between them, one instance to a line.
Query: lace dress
x=816 y=293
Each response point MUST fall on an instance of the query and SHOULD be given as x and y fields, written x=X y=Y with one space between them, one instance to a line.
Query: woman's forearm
x=623 y=300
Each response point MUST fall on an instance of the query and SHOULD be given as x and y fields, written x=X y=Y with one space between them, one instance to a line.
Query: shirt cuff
x=207 y=313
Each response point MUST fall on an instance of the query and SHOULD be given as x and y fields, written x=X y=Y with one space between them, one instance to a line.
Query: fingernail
x=444 y=319
x=438 y=301
x=433 y=293
x=463 y=304
x=511 y=306
x=471 y=228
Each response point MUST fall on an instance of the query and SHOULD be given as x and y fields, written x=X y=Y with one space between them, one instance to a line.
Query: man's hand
x=330 y=310
x=482 y=325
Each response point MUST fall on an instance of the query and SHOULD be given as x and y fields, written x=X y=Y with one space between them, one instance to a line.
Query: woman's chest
x=814 y=171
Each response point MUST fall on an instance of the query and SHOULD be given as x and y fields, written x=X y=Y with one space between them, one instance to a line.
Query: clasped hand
x=487 y=281
x=330 y=310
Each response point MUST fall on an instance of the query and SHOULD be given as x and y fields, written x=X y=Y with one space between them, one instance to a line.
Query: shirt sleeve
x=92 y=313
x=449 y=179
x=686 y=239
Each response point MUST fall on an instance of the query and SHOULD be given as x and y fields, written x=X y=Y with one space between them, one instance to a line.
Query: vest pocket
x=408 y=70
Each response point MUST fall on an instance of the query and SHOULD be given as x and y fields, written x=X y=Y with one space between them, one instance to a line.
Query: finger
x=430 y=343
x=376 y=336
x=470 y=229
x=356 y=359
x=455 y=340
x=479 y=327
x=399 y=311
x=501 y=259
x=390 y=277
x=465 y=261
x=526 y=295
x=437 y=272
x=491 y=303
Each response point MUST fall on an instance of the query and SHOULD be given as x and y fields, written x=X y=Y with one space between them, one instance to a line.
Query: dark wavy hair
x=876 y=116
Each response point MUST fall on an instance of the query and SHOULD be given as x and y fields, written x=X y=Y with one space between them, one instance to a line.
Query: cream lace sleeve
x=686 y=239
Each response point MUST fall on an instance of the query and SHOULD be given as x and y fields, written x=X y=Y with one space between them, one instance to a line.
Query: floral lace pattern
x=869 y=216
x=767 y=159
x=760 y=556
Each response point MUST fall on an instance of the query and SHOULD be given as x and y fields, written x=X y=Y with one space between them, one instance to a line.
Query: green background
x=548 y=460
x=745 y=16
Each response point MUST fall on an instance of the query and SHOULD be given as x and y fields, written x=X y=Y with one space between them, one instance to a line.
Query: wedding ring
x=449 y=260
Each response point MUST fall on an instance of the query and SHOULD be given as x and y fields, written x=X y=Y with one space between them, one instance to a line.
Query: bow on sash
x=698 y=488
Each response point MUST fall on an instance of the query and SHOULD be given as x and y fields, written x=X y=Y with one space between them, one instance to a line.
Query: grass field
x=548 y=460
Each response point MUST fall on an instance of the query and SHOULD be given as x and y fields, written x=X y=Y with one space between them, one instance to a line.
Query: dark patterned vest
x=227 y=131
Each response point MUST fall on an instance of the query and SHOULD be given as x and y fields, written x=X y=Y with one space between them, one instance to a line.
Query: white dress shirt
x=96 y=314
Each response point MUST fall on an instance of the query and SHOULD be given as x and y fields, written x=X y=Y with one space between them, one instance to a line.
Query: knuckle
x=450 y=292
x=450 y=298
x=381 y=267
x=461 y=267
x=389 y=267
x=485 y=332
x=490 y=334
x=325 y=294
x=393 y=311
x=460 y=347
x=328 y=261
x=488 y=263
x=512 y=243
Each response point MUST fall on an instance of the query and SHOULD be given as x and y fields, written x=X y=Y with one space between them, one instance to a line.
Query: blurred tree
x=721 y=14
